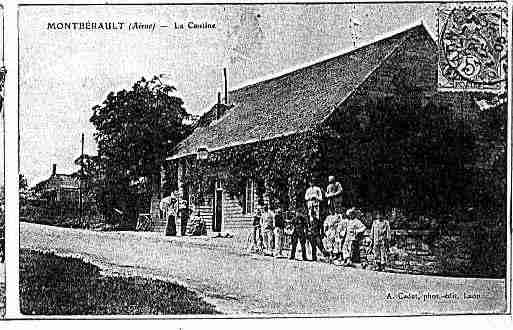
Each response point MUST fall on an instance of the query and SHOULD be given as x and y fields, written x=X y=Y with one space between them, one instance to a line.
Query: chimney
x=54 y=169
x=225 y=87
x=219 y=107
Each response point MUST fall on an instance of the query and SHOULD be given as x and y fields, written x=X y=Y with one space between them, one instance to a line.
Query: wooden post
x=225 y=86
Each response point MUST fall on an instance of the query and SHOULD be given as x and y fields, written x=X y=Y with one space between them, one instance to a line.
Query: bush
x=475 y=248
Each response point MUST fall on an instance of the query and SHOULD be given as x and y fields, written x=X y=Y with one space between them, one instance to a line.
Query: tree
x=23 y=187
x=488 y=188
x=134 y=131
x=24 y=192
x=90 y=176
x=23 y=183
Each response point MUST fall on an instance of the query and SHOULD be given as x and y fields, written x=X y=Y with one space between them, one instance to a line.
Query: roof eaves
x=178 y=156
x=217 y=122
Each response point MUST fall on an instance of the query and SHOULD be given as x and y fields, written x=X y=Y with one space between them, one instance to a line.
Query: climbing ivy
x=400 y=154
x=280 y=167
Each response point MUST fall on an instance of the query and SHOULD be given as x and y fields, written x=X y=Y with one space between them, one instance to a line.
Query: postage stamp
x=472 y=47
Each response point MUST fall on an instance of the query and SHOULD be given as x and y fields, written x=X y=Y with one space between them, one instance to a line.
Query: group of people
x=268 y=232
x=336 y=237
x=343 y=233
x=191 y=223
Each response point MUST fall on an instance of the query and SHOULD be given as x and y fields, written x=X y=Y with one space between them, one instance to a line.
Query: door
x=217 y=219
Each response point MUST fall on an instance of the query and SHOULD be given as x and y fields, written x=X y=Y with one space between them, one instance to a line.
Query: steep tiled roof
x=293 y=102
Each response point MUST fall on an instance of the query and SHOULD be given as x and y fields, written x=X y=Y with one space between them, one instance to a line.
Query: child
x=298 y=228
x=267 y=224
x=366 y=256
x=380 y=236
x=340 y=238
x=256 y=234
x=279 y=226
x=331 y=232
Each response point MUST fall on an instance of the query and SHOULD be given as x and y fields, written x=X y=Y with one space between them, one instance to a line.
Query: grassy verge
x=53 y=285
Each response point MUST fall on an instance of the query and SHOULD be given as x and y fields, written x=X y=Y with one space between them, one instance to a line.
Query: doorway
x=217 y=218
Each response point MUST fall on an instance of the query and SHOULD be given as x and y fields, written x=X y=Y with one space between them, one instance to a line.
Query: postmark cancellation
x=472 y=47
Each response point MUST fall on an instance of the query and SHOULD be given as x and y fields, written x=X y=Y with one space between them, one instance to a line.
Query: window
x=249 y=197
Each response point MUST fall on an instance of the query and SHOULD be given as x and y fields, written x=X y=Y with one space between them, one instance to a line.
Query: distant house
x=58 y=188
x=310 y=98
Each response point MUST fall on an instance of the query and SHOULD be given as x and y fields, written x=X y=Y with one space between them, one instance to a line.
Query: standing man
x=299 y=225
x=279 y=226
x=380 y=236
x=313 y=197
x=267 y=219
x=334 y=195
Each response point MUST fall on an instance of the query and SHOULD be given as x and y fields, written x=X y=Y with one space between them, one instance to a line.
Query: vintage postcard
x=3 y=73
x=264 y=160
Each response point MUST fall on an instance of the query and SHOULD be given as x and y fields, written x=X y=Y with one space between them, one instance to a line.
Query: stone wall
x=420 y=252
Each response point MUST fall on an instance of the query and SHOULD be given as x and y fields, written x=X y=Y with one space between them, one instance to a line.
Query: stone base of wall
x=416 y=252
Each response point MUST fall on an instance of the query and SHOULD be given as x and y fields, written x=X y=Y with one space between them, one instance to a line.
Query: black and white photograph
x=264 y=160
x=3 y=73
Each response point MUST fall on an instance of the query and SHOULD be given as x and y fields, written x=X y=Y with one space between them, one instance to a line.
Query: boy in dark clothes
x=314 y=233
x=299 y=225
x=279 y=226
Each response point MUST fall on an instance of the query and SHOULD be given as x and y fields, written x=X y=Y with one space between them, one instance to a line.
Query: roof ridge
x=227 y=130
x=379 y=64
x=330 y=58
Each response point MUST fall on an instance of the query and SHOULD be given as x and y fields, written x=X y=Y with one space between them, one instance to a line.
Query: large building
x=311 y=98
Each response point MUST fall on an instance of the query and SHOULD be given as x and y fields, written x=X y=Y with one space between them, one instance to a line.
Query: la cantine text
x=194 y=25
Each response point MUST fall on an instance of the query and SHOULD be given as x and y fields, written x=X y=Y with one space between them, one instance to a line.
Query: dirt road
x=240 y=284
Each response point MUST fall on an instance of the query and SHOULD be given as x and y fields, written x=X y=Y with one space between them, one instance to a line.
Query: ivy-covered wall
x=280 y=168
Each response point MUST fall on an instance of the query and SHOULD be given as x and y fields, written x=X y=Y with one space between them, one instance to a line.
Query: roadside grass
x=53 y=285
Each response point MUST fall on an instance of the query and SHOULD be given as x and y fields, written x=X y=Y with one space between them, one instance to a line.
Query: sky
x=63 y=74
